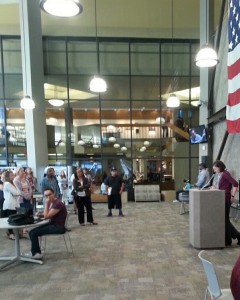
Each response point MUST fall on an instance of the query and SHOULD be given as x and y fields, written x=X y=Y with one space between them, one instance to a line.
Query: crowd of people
x=17 y=189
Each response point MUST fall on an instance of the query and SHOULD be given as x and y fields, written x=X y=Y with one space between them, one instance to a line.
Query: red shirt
x=235 y=280
x=60 y=217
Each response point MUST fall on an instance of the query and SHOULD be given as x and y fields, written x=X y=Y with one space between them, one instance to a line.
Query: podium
x=207 y=218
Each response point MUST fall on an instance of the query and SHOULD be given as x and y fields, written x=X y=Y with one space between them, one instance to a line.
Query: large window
x=130 y=125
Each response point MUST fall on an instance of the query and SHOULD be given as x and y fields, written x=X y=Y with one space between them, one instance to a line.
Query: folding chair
x=69 y=249
x=184 y=199
x=213 y=288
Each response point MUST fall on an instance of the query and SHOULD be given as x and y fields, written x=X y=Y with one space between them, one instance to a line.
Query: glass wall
x=129 y=126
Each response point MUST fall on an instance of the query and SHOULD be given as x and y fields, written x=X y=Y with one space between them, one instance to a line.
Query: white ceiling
x=115 y=18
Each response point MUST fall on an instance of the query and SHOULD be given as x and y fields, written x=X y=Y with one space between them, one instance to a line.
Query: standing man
x=50 y=181
x=203 y=176
x=56 y=212
x=114 y=188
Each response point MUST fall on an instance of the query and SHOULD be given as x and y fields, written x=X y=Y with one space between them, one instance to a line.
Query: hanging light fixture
x=112 y=139
x=81 y=141
x=56 y=102
x=97 y=84
x=172 y=100
x=61 y=8
x=206 y=56
x=27 y=102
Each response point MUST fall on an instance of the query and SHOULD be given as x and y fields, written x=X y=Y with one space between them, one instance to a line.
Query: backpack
x=21 y=217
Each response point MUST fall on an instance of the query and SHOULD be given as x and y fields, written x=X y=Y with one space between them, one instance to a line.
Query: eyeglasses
x=48 y=195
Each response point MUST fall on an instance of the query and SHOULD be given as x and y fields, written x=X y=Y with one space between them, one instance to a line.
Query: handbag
x=22 y=217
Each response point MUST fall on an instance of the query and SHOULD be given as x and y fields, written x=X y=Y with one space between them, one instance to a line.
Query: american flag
x=233 y=102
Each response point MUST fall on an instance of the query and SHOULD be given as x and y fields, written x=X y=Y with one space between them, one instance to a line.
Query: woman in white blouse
x=11 y=194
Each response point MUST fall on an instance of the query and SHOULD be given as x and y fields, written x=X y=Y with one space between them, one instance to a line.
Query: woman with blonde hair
x=26 y=193
x=11 y=194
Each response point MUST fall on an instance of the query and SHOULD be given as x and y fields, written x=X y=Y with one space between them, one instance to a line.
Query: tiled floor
x=145 y=255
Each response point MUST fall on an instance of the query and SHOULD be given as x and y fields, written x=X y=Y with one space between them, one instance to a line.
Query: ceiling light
x=96 y=146
x=81 y=142
x=173 y=101
x=116 y=146
x=206 y=57
x=112 y=139
x=27 y=103
x=98 y=85
x=124 y=148
x=61 y=8
x=160 y=120
x=143 y=148
x=56 y=102
x=146 y=143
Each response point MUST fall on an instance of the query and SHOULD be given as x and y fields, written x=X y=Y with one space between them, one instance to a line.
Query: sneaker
x=37 y=256
x=121 y=214
x=109 y=214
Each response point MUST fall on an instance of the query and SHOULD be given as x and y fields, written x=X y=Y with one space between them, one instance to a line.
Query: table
x=18 y=257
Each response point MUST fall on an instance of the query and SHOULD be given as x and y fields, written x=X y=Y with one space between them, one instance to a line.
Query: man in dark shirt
x=56 y=212
x=114 y=188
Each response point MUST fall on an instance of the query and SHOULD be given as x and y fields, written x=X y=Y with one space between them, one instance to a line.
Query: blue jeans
x=40 y=231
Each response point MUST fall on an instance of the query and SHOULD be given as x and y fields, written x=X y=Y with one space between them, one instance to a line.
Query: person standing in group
x=114 y=188
x=81 y=193
x=31 y=179
x=63 y=185
x=23 y=185
x=203 y=176
x=73 y=176
x=50 y=181
x=1 y=193
x=11 y=195
x=224 y=181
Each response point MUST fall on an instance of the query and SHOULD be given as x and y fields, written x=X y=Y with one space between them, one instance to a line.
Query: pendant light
x=26 y=102
x=206 y=56
x=97 y=84
x=61 y=8
x=56 y=102
x=172 y=100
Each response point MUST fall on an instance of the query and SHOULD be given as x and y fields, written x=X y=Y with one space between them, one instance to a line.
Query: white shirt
x=11 y=194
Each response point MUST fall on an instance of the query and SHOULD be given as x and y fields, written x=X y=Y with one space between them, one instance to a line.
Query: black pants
x=114 y=201
x=6 y=213
x=230 y=231
x=82 y=202
x=1 y=208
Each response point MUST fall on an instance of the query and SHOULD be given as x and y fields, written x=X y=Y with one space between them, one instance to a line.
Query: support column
x=206 y=28
x=33 y=85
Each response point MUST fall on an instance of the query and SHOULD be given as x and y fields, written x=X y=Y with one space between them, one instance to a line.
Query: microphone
x=207 y=182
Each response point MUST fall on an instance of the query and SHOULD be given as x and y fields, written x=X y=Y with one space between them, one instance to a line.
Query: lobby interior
x=146 y=51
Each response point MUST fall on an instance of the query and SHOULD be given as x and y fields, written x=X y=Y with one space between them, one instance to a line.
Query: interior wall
x=230 y=155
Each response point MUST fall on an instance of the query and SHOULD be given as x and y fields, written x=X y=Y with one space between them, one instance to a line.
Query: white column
x=33 y=85
x=205 y=12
